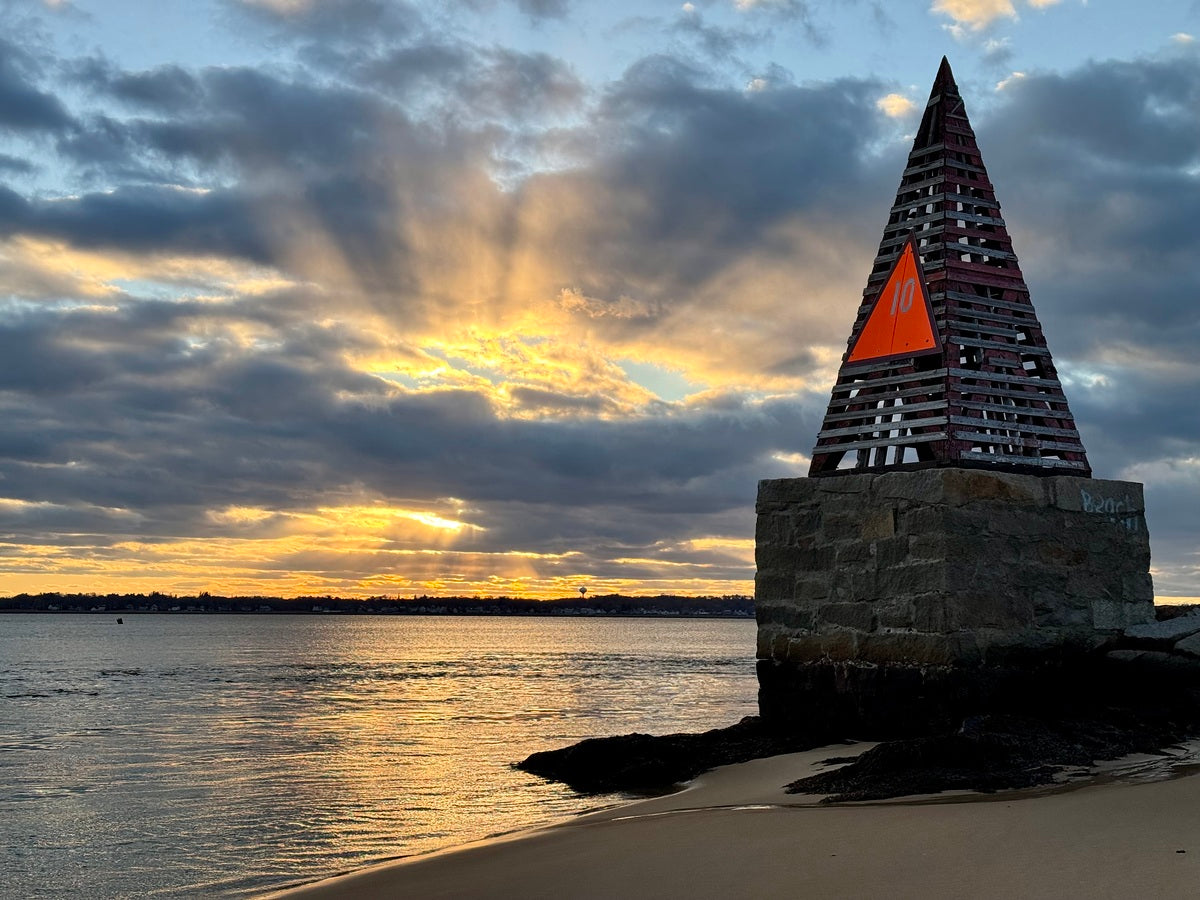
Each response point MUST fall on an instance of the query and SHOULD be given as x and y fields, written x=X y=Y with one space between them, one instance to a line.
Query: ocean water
x=224 y=755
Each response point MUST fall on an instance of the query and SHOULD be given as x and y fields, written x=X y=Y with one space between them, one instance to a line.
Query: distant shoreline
x=608 y=606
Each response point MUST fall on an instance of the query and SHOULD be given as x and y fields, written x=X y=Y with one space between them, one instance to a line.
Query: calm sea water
x=210 y=755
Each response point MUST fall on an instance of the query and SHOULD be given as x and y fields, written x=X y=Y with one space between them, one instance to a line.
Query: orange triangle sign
x=901 y=321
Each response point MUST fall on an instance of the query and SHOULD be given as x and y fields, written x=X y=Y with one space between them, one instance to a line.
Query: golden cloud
x=975 y=14
x=895 y=106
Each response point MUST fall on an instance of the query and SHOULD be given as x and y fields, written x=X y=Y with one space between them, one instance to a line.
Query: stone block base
x=935 y=586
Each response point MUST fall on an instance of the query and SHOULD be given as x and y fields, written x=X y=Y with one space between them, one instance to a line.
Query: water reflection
x=219 y=754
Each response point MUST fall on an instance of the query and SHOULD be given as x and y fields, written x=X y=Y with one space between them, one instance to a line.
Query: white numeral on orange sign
x=902 y=296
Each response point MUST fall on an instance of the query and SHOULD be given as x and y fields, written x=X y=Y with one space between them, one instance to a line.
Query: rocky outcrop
x=1170 y=645
x=1163 y=634
x=644 y=763
x=1110 y=706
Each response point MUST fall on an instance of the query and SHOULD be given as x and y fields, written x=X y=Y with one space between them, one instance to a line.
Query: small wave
x=47 y=793
x=39 y=695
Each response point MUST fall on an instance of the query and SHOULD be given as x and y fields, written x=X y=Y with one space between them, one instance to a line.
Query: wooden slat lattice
x=993 y=397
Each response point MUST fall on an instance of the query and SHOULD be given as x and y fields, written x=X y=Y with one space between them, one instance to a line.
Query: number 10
x=902 y=296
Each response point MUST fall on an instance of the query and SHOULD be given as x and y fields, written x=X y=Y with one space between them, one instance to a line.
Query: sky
x=513 y=297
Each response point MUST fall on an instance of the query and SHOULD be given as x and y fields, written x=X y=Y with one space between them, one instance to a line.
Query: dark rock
x=1020 y=734
x=1113 y=710
x=1189 y=645
x=1164 y=633
x=1151 y=662
x=643 y=763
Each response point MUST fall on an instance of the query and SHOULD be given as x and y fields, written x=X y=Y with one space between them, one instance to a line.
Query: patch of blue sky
x=154 y=289
x=402 y=379
x=1085 y=379
x=142 y=35
x=601 y=40
x=13 y=307
x=1070 y=33
x=667 y=384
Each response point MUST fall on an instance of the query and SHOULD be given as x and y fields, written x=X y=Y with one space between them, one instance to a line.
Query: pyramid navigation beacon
x=946 y=363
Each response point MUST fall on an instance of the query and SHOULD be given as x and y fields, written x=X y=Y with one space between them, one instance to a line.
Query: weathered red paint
x=987 y=393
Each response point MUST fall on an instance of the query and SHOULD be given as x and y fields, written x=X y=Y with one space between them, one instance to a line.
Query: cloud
x=997 y=51
x=1110 y=225
x=621 y=308
x=144 y=219
x=974 y=15
x=16 y=165
x=335 y=21
x=1009 y=80
x=369 y=321
x=895 y=105
x=715 y=42
x=23 y=105
x=166 y=88
x=386 y=381
x=796 y=9
x=518 y=84
x=544 y=9
x=197 y=393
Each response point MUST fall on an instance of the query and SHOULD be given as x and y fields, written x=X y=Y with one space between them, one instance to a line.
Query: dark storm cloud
x=14 y=211
x=1096 y=171
x=32 y=361
x=400 y=71
x=1104 y=221
x=541 y=399
x=167 y=88
x=713 y=41
x=233 y=120
x=295 y=153
x=677 y=176
x=256 y=120
x=1135 y=416
x=179 y=429
x=23 y=105
x=799 y=364
x=16 y=165
x=757 y=155
x=668 y=179
x=691 y=176
x=143 y=219
x=177 y=432
x=1140 y=113
x=518 y=84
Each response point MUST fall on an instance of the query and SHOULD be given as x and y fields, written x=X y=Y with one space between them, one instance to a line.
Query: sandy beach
x=734 y=832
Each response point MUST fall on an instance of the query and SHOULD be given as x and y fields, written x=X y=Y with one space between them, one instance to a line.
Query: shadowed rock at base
x=653 y=764
x=1101 y=710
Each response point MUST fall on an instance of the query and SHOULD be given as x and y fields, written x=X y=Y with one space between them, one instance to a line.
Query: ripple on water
x=221 y=755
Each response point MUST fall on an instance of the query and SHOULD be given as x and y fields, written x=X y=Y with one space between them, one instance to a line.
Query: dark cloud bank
x=675 y=177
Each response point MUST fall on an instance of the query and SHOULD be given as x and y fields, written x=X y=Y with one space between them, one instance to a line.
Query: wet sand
x=735 y=832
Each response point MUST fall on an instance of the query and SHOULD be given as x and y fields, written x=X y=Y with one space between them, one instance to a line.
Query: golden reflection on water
x=222 y=754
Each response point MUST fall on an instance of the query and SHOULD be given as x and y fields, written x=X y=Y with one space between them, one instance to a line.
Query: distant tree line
x=726 y=606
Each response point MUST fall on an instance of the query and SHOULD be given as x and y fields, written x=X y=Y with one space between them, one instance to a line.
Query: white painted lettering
x=1112 y=509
